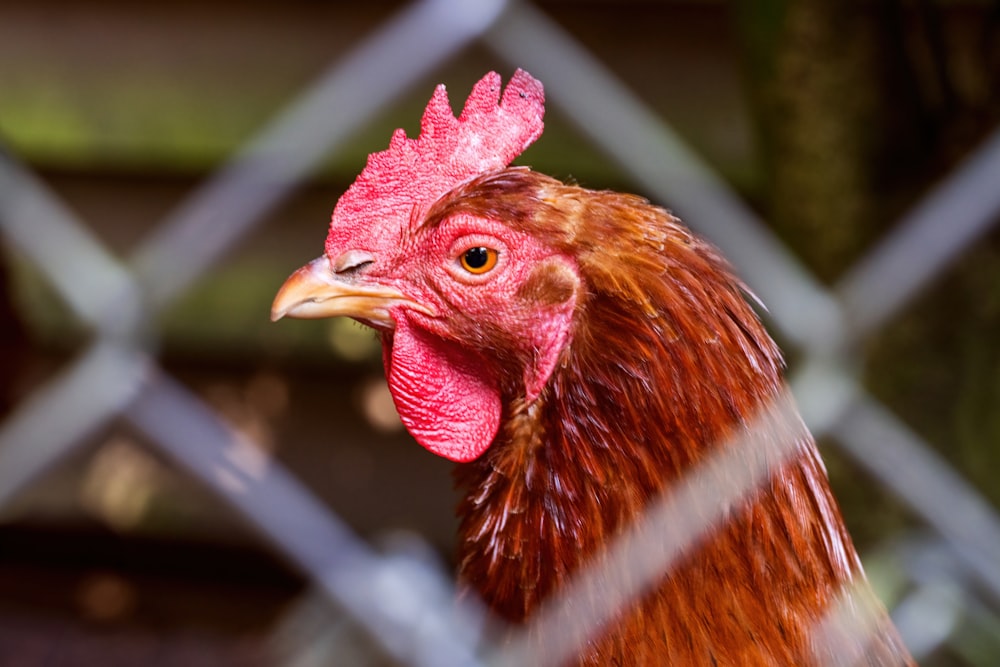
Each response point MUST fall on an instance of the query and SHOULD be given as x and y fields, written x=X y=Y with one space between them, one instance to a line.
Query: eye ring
x=478 y=260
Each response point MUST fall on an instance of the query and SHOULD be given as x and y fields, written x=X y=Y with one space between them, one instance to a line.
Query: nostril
x=351 y=260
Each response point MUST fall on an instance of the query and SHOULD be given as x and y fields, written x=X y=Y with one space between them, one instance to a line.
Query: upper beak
x=316 y=291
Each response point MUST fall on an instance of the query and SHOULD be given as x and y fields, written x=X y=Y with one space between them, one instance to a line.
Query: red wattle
x=441 y=393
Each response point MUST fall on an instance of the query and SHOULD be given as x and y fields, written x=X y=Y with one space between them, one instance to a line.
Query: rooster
x=577 y=352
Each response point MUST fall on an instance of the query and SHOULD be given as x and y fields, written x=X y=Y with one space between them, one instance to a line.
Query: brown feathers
x=583 y=352
x=666 y=359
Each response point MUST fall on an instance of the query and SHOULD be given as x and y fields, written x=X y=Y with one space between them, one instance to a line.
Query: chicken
x=576 y=352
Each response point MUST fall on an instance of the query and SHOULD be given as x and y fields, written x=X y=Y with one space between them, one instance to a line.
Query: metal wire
x=647 y=149
x=110 y=375
x=925 y=242
x=34 y=221
x=405 y=606
x=56 y=419
x=408 y=610
x=318 y=122
x=671 y=527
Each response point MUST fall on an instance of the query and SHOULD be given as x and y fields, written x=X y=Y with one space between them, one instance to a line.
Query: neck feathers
x=666 y=360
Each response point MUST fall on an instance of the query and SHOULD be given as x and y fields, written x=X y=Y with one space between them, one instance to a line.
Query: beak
x=316 y=291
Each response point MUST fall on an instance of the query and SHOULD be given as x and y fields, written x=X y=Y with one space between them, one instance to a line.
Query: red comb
x=413 y=173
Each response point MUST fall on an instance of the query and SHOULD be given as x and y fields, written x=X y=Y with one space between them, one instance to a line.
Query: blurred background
x=164 y=166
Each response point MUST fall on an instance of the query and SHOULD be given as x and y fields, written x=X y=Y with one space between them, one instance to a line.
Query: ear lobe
x=553 y=285
x=550 y=283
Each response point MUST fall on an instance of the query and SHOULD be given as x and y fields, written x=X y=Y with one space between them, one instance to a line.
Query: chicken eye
x=479 y=260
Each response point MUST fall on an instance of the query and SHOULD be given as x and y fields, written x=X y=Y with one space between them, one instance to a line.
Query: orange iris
x=479 y=260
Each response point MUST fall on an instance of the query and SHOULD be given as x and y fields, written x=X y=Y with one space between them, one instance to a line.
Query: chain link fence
x=404 y=603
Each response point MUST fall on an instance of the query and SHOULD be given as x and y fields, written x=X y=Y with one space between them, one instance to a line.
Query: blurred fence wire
x=407 y=606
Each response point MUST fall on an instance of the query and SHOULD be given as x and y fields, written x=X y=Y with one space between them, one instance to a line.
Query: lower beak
x=315 y=291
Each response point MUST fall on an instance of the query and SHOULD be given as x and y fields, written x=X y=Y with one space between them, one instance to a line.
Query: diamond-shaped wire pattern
x=119 y=297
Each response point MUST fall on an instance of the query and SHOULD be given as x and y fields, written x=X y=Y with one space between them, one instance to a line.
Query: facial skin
x=462 y=311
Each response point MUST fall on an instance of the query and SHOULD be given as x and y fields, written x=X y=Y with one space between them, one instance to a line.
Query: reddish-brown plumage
x=666 y=358
x=602 y=355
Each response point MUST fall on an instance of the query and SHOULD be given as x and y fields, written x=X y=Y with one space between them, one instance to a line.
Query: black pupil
x=476 y=258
